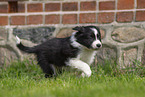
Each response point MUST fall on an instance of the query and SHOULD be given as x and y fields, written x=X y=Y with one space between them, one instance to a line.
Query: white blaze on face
x=96 y=41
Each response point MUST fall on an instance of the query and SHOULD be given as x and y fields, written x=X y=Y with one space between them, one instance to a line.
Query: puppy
x=77 y=51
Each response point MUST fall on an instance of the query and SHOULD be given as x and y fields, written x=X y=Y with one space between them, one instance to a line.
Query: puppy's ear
x=80 y=29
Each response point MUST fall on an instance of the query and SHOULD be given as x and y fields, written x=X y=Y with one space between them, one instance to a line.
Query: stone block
x=36 y=35
x=3 y=34
x=7 y=56
x=106 y=54
x=143 y=57
x=128 y=34
x=102 y=33
x=64 y=32
x=129 y=56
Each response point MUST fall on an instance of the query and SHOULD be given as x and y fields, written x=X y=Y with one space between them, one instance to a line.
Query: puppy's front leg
x=80 y=65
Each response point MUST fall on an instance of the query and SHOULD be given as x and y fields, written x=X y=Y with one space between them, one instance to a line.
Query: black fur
x=54 y=51
x=57 y=51
x=85 y=36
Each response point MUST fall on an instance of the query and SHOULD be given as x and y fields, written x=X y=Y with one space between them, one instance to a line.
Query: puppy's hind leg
x=48 y=69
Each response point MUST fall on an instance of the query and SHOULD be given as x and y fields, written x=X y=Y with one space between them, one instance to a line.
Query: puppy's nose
x=98 y=45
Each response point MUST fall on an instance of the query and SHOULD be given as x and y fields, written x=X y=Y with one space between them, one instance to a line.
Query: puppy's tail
x=24 y=48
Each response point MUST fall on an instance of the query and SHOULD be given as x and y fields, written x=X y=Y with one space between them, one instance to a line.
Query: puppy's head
x=88 y=36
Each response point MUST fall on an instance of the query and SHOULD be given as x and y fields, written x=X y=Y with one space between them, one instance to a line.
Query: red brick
x=73 y=6
x=52 y=19
x=3 y=20
x=125 y=4
x=34 y=19
x=124 y=16
x=87 y=18
x=140 y=16
x=69 y=19
x=52 y=7
x=21 y=7
x=85 y=6
x=12 y=7
x=109 y=5
x=3 y=8
x=18 y=20
x=37 y=7
x=140 y=3
x=105 y=17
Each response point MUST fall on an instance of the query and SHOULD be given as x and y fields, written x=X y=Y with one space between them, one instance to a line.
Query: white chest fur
x=87 y=56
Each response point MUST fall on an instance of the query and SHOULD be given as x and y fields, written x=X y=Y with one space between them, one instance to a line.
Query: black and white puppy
x=77 y=51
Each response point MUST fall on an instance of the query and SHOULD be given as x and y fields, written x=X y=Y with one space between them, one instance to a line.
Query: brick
x=106 y=17
x=34 y=19
x=69 y=19
x=52 y=7
x=52 y=19
x=109 y=5
x=3 y=20
x=3 y=8
x=85 y=6
x=140 y=3
x=73 y=6
x=18 y=20
x=37 y=7
x=140 y=16
x=124 y=16
x=21 y=7
x=12 y=7
x=125 y=4
x=87 y=18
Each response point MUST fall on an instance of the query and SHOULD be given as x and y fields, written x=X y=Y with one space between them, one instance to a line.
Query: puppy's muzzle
x=98 y=45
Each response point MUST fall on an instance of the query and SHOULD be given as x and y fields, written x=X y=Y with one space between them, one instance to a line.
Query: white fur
x=87 y=56
x=80 y=65
x=74 y=43
x=18 y=40
x=83 y=61
x=95 y=31
x=94 y=44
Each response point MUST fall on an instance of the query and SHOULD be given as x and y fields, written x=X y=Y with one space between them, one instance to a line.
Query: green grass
x=21 y=79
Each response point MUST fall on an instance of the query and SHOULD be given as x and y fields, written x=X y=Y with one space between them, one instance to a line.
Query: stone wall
x=122 y=26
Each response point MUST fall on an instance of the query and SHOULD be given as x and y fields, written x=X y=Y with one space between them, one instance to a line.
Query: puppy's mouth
x=95 y=48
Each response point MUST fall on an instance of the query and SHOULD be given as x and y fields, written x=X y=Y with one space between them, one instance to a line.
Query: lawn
x=25 y=79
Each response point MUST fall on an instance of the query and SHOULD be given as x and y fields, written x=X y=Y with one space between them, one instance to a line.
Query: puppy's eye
x=98 y=36
x=92 y=36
